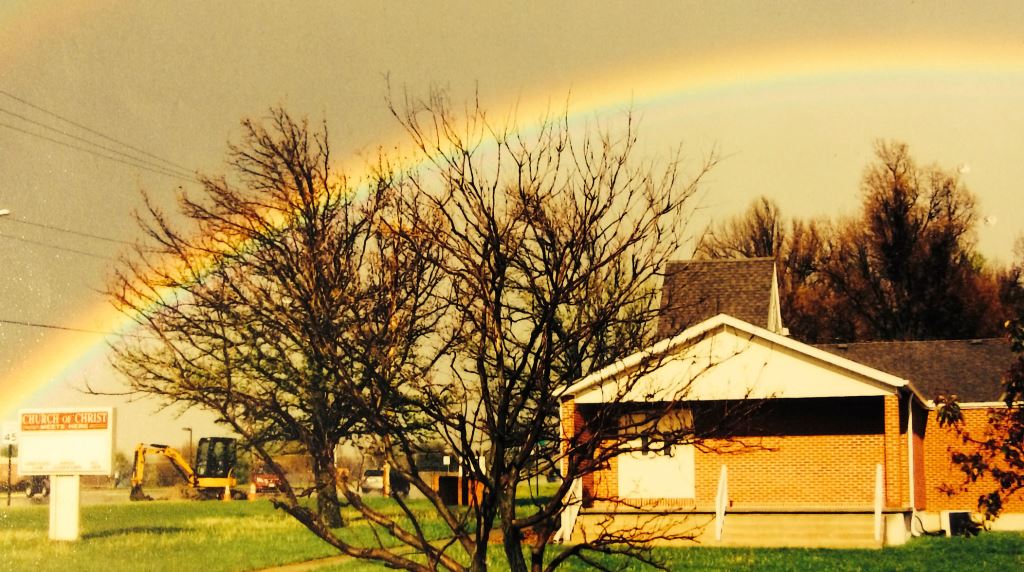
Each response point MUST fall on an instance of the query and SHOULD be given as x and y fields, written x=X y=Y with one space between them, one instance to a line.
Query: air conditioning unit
x=957 y=522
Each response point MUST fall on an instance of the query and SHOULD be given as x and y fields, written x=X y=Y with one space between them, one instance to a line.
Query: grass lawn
x=991 y=551
x=215 y=536
x=165 y=535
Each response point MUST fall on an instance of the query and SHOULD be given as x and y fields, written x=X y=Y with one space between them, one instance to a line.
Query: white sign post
x=66 y=443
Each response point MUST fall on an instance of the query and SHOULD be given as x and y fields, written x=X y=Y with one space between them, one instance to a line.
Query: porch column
x=569 y=417
x=575 y=428
x=894 y=452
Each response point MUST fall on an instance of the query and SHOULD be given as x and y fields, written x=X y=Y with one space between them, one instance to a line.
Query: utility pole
x=10 y=453
x=10 y=437
x=191 y=461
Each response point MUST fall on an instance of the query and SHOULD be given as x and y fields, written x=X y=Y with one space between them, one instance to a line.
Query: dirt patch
x=498 y=537
x=307 y=565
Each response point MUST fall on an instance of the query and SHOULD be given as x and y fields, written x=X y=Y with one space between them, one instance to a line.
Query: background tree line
x=904 y=268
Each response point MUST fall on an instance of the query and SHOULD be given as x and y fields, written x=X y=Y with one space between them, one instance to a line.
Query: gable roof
x=695 y=290
x=972 y=369
x=610 y=374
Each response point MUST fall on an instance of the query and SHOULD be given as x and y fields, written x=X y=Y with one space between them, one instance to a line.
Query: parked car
x=373 y=481
x=266 y=481
x=38 y=486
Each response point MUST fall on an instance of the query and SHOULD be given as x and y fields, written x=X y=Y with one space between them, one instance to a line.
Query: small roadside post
x=10 y=431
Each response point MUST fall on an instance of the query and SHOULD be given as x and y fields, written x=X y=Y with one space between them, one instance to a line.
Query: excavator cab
x=215 y=457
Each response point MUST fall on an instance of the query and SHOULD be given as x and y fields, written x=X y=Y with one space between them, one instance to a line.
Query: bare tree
x=906 y=269
x=797 y=247
x=551 y=244
x=757 y=233
x=288 y=308
x=1010 y=280
x=452 y=303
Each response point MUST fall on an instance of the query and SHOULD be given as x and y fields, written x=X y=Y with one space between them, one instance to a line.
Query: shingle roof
x=695 y=290
x=972 y=369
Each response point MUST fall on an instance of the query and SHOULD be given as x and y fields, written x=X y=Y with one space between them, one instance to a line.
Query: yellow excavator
x=213 y=473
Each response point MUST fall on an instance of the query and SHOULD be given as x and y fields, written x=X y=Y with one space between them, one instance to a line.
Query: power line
x=69 y=328
x=90 y=142
x=55 y=247
x=90 y=130
x=91 y=152
x=20 y=220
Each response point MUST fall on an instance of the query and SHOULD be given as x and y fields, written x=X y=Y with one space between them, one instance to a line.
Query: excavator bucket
x=138 y=495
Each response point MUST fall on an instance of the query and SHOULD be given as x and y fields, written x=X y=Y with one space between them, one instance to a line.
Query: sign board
x=9 y=433
x=66 y=441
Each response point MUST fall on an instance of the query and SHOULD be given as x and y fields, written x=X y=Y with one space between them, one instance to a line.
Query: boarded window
x=659 y=467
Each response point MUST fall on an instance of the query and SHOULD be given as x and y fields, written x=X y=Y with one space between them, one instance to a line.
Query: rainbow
x=846 y=65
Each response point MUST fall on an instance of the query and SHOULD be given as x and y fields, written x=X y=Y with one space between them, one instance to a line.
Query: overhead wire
x=69 y=328
x=64 y=249
x=91 y=130
x=21 y=220
x=55 y=247
x=174 y=170
x=91 y=152
x=71 y=250
x=165 y=167
x=153 y=164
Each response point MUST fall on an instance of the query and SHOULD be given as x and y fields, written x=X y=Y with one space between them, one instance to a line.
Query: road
x=91 y=496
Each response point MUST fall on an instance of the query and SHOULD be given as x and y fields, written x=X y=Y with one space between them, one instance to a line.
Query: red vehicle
x=265 y=481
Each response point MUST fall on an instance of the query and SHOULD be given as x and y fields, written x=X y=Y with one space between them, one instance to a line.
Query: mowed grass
x=1002 y=551
x=215 y=536
x=161 y=535
x=996 y=551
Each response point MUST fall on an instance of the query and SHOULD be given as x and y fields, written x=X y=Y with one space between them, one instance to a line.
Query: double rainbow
x=64 y=357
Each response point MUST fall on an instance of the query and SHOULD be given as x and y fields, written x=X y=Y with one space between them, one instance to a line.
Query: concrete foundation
x=807 y=529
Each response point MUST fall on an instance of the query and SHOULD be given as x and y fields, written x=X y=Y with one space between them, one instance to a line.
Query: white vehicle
x=373 y=481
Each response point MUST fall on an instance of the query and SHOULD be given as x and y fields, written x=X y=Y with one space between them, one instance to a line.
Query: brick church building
x=844 y=448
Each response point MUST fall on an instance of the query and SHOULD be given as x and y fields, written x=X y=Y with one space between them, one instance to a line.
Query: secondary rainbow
x=844 y=65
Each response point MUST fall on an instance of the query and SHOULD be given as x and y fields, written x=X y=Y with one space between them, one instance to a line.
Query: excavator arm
x=172 y=454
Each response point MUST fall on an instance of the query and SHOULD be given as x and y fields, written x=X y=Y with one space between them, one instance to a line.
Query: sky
x=791 y=94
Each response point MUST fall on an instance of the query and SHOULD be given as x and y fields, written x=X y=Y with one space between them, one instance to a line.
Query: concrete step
x=807 y=530
x=819 y=530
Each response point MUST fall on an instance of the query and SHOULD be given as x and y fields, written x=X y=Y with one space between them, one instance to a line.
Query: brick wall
x=795 y=470
x=826 y=469
x=940 y=442
x=574 y=427
x=825 y=462
x=605 y=483
x=568 y=418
